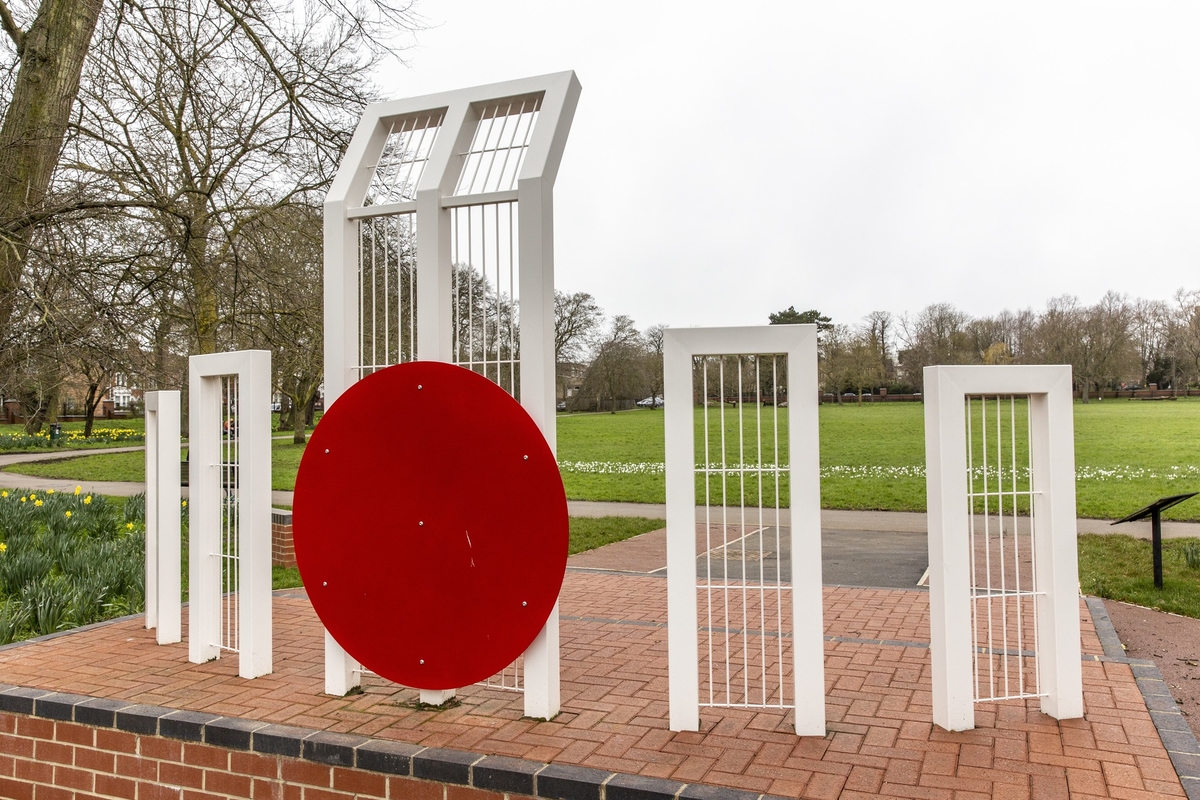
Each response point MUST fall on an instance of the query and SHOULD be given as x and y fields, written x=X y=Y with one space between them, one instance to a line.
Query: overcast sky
x=731 y=159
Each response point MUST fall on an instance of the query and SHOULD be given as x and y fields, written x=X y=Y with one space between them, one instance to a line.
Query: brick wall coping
x=490 y=773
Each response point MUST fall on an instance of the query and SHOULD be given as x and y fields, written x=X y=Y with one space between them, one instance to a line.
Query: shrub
x=1191 y=555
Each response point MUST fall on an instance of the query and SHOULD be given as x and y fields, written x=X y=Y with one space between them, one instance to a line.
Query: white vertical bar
x=167 y=512
x=1053 y=457
x=973 y=545
x=949 y=556
x=254 y=514
x=152 y=533
x=162 y=515
x=535 y=253
x=204 y=529
x=708 y=584
x=1000 y=530
x=778 y=466
x=682 y=640
x=1017 y=544
x=804 y=465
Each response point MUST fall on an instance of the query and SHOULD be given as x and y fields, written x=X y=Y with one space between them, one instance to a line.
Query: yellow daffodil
x=68 y=514
x=77 y=488
x=37 y=503
x=129 y=526
x=87 y=501
x=49 y=491
x=23 y=499
x=4 y=493
x=32 y=496
x=3 y=547
x=185 y=503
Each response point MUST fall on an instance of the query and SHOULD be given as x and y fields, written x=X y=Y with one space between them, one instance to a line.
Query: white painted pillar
x=163 y=562
x=950 y=643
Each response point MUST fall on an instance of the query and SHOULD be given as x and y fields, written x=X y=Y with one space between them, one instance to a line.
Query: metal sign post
x=1154 y=511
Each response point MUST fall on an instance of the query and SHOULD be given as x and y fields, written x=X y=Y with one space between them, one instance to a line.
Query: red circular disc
x=430 y=525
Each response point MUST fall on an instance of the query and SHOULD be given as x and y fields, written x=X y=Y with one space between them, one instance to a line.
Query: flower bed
x=68 y=560
x=69 y=439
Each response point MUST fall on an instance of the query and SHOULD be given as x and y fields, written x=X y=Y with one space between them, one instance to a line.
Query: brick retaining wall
x=283 y=553
x=56 y=746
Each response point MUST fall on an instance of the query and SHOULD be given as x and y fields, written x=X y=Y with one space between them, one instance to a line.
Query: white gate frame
x=163 y=581
x=799 y=342
x=253 y=371
x=435 y=196
x=1060 y=674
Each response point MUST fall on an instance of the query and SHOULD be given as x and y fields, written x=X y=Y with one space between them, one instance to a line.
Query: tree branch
x=11 y=27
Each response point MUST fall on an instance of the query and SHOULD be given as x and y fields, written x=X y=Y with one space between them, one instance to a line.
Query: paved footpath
x=882 y=521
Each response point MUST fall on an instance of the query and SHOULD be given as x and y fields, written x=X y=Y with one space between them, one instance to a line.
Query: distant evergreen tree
x=793 y=317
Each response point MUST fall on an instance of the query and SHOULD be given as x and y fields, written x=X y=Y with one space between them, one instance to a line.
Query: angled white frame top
x=803 y=513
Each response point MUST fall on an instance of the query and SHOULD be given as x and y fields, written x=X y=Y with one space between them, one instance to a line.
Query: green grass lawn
x=1127 y=453
x=1120 y=567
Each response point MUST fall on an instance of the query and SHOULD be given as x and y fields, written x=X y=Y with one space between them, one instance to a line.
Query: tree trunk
x=90 y=403
x=1083 y=391
x=203 y=274
x=51 y=54
x=298 y=431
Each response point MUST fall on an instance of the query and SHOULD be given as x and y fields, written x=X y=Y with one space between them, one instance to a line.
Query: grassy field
x=1121 y=568
x=1127 y=453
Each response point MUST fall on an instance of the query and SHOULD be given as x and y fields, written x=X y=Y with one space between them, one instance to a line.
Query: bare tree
x=652 y=341
x=577 y=316
x=936 y=335
x=49 y=45
x=296 y=73
x=617 y=371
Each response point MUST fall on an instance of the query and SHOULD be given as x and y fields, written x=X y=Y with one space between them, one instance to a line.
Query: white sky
x=731 y=159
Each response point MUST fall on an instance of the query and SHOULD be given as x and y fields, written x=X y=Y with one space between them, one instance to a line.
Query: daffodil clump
x=68 y=559
x=72 y=438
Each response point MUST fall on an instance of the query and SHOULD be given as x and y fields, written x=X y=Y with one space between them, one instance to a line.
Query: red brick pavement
x=614 y=696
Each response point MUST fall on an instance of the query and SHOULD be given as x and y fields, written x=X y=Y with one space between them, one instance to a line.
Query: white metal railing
x=231 y=518
x=498 y=146
x=387 y=292
x=1003 y=562
x=486 y=292
x=743 y=591
x=402 y=162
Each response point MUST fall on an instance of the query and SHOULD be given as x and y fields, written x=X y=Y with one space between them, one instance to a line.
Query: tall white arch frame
x=230 y=509
x=802 y=516
x=445 y=133
x=952 y=570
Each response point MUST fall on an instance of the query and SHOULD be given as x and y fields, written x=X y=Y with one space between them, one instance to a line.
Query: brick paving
x=614 y=698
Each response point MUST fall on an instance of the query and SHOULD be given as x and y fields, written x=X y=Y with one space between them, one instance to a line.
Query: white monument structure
x=229 y=478
x=439 y=246
x=755 y=458
x=163 y=590
x=1003 y=566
